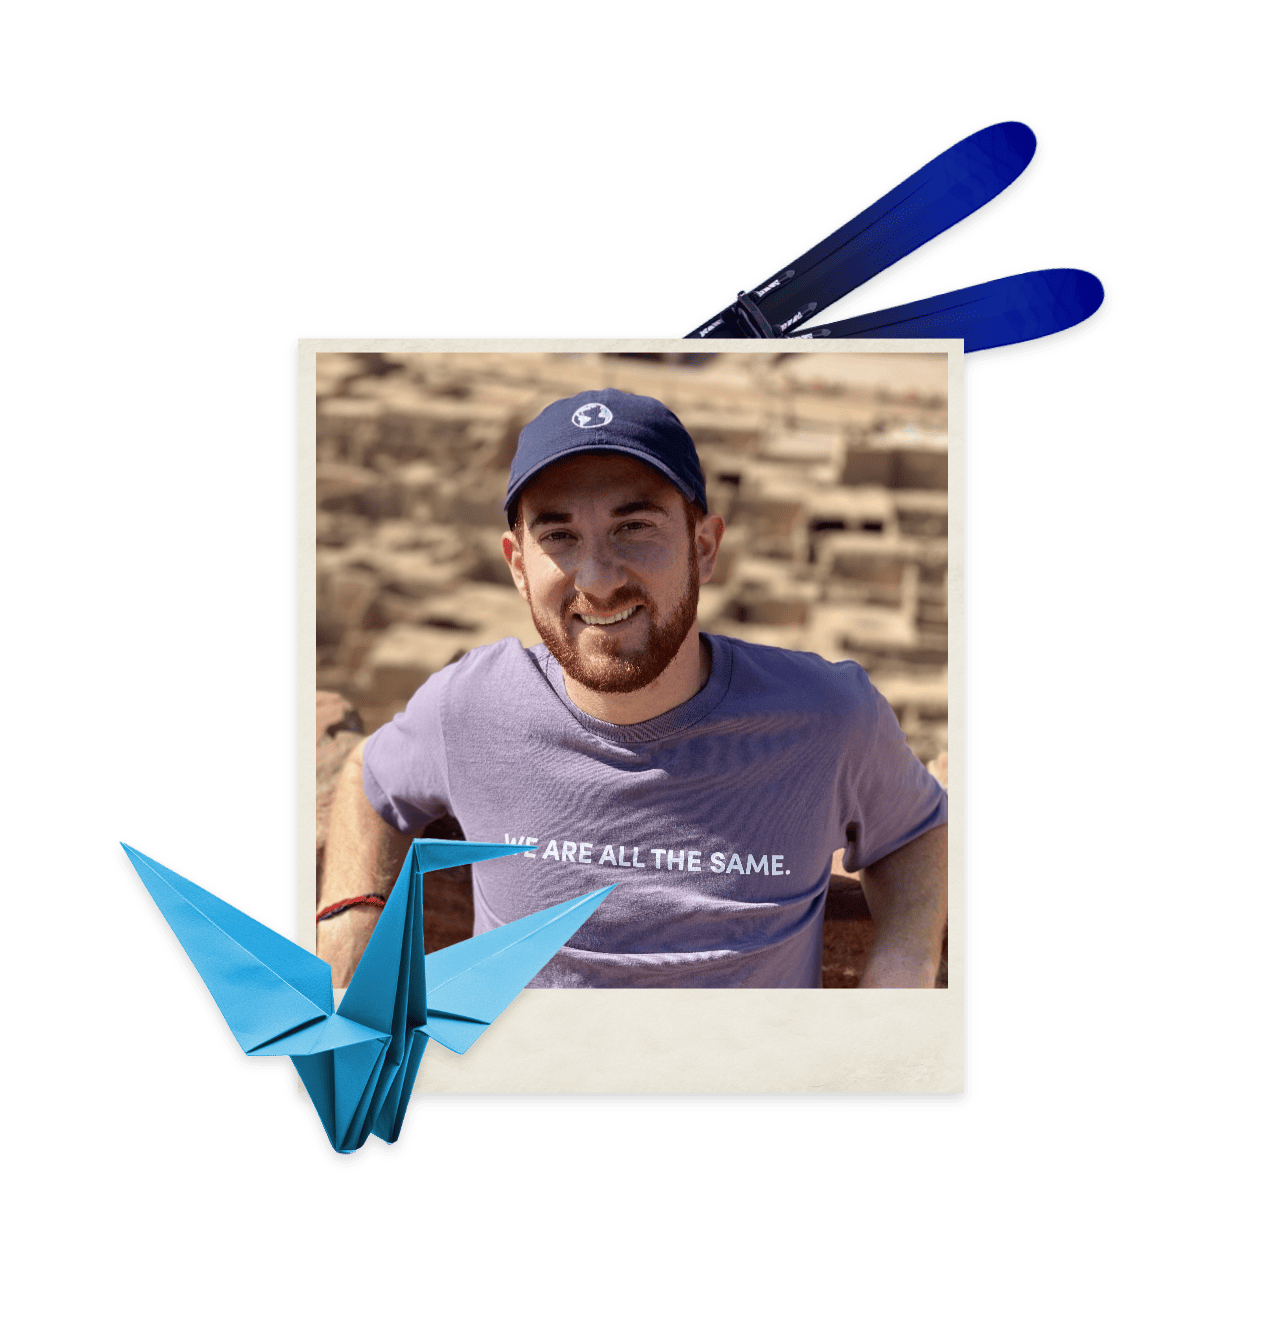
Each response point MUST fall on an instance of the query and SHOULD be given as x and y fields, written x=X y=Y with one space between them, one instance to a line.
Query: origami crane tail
x=340 y=1063
x=390 y=1118
x=470 y=984
x=387 y=995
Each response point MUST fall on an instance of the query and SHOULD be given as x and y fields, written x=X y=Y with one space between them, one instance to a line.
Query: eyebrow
x=621 y=511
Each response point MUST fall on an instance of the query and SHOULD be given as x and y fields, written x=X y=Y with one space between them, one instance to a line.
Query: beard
x=606 y=665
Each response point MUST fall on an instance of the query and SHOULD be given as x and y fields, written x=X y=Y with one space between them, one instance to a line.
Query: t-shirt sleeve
x=404 y=763
x=896 y=798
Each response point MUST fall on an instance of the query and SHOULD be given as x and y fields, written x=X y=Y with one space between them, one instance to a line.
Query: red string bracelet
x=367 y=900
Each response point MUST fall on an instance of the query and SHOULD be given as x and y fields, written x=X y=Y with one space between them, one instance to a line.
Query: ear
x=707 y=535
x=512 y=548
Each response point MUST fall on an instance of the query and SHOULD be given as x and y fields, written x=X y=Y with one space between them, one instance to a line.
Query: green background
x=192 y=190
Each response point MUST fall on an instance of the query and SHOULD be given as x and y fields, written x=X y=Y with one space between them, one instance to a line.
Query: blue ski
x=1010 y=310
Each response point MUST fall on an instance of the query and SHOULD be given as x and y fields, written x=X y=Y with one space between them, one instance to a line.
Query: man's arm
x=907 y=893
x=363 y=855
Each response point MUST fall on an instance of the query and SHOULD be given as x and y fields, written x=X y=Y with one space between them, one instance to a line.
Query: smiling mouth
x=607 y=620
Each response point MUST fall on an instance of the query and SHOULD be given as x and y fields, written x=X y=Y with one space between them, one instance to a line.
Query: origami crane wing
x=469 y=985
x=359 y=1063
x=266 y=986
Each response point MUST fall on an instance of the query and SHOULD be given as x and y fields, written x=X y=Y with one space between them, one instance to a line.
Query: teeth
x=608 y=618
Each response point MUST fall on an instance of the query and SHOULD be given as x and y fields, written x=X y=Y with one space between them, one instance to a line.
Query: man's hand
x=363 y=855
x=907 y=893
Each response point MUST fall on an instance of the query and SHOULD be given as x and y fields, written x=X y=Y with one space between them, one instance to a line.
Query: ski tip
x=1012 y=131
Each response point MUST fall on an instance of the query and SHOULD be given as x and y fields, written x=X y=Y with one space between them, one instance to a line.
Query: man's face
x=610 y=566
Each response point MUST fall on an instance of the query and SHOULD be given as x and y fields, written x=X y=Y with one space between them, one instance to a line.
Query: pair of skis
x=948 y=189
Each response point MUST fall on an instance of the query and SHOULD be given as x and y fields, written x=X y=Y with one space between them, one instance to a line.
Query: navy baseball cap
x=607 y=421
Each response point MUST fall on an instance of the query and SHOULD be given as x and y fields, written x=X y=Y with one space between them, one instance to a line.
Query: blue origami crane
x=359 y=1061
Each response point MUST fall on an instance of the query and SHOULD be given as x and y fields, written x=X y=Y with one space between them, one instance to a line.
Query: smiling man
x=710 y=778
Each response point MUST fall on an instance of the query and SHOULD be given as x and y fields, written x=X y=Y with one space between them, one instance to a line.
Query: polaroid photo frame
x=688 y=1047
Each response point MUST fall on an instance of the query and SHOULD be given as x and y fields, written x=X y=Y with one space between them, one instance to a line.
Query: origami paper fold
x=359 y=1061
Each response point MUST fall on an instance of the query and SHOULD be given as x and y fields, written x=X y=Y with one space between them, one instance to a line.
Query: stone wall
x=831 y=472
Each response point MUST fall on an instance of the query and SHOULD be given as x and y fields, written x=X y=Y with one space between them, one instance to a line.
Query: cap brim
x=512 y=499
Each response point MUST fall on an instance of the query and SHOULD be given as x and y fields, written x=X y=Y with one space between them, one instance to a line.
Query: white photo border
x=677 y=1041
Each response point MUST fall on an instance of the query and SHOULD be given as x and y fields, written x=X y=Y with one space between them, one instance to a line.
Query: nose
x=600 y=571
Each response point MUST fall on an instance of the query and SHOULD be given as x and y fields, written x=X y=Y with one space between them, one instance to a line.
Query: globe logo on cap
x=590 y=415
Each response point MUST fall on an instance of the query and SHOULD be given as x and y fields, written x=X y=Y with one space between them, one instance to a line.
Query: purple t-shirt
x=717 y=819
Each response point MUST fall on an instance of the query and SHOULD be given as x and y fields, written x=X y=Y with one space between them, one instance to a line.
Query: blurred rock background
x=831 y=471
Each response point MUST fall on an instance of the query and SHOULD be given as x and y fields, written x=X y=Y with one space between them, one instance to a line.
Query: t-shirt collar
x=664 y=725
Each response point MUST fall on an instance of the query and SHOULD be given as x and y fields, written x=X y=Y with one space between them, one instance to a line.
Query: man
x=710 y=778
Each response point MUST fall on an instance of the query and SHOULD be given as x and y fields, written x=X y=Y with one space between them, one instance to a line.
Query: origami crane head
x=359 y=1062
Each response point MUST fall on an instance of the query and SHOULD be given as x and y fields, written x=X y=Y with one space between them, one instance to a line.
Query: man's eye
x=635 y=526
x=555 y=536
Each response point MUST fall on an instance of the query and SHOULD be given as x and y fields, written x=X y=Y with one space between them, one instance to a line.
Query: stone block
x=343 y=488
x=739 y=436
x=403 y=658
x=472 y=501
x=897 y=467
x=867 y=466
x=345 y=600
x=923 y=523
x=445 y=626
x=769 y=612
x=920 y=469
x=869 y=569
x=776 y=527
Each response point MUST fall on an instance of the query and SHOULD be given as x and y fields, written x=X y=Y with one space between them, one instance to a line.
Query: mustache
x=620 y=599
